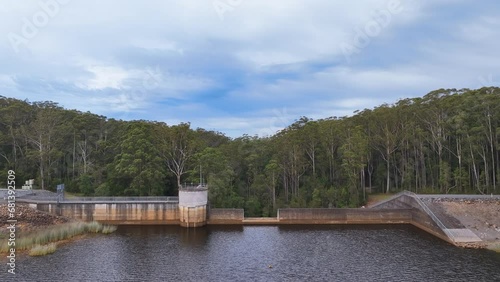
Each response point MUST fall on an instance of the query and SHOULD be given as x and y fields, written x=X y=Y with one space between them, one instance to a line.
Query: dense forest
x=444 y=142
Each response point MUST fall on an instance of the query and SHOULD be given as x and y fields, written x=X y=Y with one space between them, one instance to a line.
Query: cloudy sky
x=243 y=66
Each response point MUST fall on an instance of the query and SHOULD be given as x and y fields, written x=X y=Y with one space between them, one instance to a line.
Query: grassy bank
x=39 y=243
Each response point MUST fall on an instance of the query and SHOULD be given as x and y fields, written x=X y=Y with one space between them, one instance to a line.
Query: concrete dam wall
x=191 y=210
x=226 y=216
x=116 y=213
x=344 y=216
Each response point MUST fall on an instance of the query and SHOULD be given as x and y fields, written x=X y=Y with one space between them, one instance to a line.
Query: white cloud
x=106 y=77
x=157 y=60
x=154 y=44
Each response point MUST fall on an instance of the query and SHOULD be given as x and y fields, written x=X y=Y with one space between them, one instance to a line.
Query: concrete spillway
x=439 y=224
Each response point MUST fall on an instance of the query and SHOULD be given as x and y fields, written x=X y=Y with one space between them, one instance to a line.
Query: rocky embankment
x=481 y=216
x=28 y=219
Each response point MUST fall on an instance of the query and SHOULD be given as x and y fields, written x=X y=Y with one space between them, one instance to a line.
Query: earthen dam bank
x=191 y=209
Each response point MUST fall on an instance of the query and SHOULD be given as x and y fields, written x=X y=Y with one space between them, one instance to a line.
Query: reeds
x=38 y=250
x=57 y=233
x=108 y=229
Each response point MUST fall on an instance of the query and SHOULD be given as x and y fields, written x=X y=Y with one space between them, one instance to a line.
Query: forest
x=443 y=142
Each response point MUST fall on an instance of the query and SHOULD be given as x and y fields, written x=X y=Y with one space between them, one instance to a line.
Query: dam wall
x=226 y=216
x=344 y=216
x=191 y=210
x=116 y=213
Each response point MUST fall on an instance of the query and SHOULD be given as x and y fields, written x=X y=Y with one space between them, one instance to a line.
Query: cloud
x=256 y=70
x=105 y=77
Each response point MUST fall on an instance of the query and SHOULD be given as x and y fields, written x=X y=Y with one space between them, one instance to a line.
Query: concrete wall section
x=344 y=216
x=118 y=213
x=193 y=199
x=193 y=216
x=226 y=216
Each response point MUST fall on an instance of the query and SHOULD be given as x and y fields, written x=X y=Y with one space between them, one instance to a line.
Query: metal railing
x=424 y=207
x=429 y=212
x=123 y=199
x=397 y=195
x=34 y=199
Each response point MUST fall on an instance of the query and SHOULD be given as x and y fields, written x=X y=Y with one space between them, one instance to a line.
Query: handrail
x=122 y=198
x=432 y=215
x=389 y=199
x=424 y=207
x=97 y=199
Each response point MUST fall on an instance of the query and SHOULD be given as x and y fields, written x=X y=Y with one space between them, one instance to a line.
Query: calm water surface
x=260 y=253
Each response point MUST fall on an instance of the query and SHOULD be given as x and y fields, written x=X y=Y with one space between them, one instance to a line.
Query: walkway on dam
x=45 y=196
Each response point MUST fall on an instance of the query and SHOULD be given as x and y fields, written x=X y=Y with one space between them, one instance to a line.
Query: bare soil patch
x=28 y=220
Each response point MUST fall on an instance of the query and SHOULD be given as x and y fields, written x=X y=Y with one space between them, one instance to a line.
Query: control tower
x=193 y=205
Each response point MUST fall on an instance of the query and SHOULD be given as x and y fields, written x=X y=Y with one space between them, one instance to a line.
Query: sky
x=243 y=66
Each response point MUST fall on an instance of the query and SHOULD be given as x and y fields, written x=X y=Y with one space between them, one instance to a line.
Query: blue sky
x=243 y=66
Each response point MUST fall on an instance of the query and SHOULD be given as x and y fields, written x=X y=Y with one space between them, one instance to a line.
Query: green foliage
x=103 y=190
x=86 y=186
x=444 y=142
x=253 y=207
x=317 y=199
x=138 y=164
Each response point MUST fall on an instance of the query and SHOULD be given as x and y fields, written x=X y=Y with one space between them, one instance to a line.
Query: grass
x=39 y=250
x=108 y=229
x=375 y=198
x=57 y=233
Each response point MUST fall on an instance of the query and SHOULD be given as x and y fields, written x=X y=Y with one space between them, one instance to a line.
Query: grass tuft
x=39 y=250
x=57 y=233
x=108 y=229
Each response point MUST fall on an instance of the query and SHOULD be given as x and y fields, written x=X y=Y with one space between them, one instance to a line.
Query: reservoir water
x=260 y=253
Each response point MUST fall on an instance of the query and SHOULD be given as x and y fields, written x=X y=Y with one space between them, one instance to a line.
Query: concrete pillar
x=193 y=206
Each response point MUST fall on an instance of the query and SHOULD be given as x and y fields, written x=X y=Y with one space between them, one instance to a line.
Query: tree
x=177 y=146
x=386 y=134
x=354 y=152
x=138 y=165
x=41 y=134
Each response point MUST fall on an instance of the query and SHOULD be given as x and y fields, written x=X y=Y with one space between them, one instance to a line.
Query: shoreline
x=35 y=228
